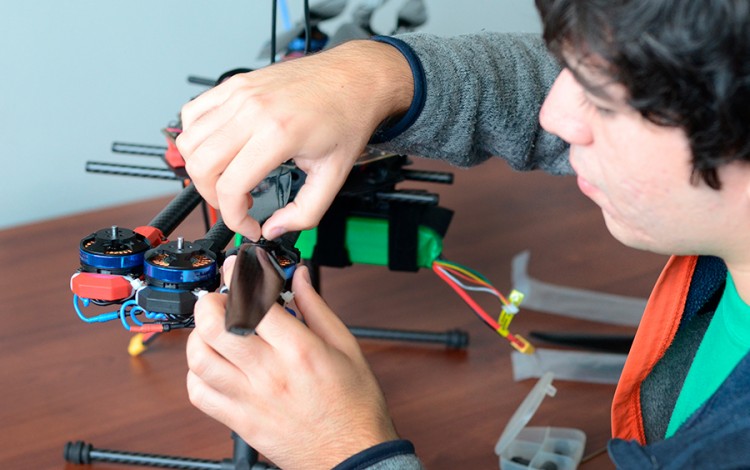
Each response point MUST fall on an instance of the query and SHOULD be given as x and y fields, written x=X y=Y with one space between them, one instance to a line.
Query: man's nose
x=562 y=113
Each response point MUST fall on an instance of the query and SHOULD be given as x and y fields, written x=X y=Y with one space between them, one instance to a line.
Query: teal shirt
x=725 y=343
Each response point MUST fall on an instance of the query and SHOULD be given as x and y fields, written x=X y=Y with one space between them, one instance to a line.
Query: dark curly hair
x=684 y=63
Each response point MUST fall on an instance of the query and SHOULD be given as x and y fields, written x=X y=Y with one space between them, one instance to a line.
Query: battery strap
x=330 y=248
x=403 y=226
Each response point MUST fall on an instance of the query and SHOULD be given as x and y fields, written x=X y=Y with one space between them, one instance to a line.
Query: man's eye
x=603 y=111
x=606 y=112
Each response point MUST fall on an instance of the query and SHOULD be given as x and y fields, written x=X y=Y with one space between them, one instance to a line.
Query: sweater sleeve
x=481 y=98
x=392 y=455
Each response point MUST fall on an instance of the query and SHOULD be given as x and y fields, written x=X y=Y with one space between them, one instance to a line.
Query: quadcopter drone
x=152 y=283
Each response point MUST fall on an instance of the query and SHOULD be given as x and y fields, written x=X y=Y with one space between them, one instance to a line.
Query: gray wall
x=78 y=75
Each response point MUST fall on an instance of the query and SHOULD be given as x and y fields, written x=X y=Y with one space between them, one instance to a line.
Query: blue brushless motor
x=113 y=250
x=181 y=265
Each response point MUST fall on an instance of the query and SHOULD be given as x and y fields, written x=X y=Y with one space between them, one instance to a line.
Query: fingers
x=257 y=158
x=204 y=362
x=284 y=333
x=313 y=199
x=209 y=100
x=210 y=401
x=244 y=352
x=216 y=126
x=279 y=326
x=202 y=127
x=227 y=269
x=209 y=146
x=201 y=118
x=237 y=133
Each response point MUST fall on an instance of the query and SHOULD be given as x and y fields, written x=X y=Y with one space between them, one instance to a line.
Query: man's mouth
x=586 y=188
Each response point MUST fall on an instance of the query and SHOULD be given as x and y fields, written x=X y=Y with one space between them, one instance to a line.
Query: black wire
x=187 y=323
x=273 y=31
x=104 y=303
x=308 y=32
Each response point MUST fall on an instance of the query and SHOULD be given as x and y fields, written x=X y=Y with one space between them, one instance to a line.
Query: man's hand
x=319 y=111
x=303 y=396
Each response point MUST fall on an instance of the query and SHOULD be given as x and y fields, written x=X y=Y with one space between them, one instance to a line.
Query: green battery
x=367 y=242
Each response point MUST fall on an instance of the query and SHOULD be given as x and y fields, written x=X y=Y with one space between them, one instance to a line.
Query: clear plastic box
x=540 y=448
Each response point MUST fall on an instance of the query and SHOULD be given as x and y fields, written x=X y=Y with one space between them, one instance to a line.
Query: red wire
x=147 y=328
x=466 y=298
x=514 y=340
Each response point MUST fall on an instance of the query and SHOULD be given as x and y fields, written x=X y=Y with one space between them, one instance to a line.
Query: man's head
x=654 y=98
x=683 y=63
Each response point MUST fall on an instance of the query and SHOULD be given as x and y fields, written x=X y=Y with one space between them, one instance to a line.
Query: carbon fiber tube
x=177 y=210
x=139 y=149
x=428 y=176
x=164 y=461
x=201 y=80
x=82 y=453
x=242 y=451
x=220 y=233
x=410 y=196
x=454 y=339
x=130 y=170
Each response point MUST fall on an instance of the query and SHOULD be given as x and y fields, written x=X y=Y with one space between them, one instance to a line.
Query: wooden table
x=63 y=380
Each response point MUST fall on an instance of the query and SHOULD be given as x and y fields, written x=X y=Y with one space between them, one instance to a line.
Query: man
x=654 y=101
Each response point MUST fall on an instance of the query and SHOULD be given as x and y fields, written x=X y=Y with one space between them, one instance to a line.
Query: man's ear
x=742 y=168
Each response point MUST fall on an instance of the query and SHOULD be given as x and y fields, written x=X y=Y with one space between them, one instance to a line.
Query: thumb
x=311 y=202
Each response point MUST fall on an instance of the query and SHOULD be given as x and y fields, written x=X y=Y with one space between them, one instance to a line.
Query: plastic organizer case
x=541 y=448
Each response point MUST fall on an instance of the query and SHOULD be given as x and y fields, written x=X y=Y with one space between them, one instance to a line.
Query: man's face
x=640 y=173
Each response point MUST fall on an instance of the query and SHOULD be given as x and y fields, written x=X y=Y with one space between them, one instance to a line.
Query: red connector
x=152 y=234
x=101 y=286
x=172 y=156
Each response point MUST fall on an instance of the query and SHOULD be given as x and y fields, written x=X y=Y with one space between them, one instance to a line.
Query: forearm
x=378 y=76
x=482 y=95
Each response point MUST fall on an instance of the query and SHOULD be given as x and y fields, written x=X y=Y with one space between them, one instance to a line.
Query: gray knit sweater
x=483 y=95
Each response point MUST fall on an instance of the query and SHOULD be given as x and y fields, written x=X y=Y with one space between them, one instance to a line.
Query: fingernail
x=251 y=229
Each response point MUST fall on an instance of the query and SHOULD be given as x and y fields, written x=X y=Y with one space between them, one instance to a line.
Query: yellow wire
x=463 y=271
x=473 y=276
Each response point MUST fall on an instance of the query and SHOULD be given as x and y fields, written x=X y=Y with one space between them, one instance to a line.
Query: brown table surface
x=64 y=380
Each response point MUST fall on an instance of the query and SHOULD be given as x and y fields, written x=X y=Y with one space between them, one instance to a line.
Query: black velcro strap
x=403 y=236
x=330 y=247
